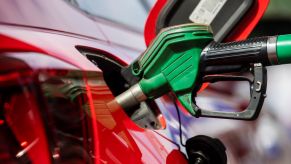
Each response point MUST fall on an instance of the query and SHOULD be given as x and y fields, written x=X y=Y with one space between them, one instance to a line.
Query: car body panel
x=25 y=33
x=54 y=15
x=56 y=29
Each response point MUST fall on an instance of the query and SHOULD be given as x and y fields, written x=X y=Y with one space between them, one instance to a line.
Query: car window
x=131 y=13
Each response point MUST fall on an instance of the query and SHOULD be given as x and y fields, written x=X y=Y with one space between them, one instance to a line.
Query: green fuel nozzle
x=182 y=57
x=171 y=63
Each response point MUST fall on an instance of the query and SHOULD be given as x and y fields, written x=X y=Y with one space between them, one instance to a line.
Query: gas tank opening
x=147 y=114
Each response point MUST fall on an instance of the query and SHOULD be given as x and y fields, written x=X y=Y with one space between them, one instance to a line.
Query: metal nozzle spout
x=132 y=97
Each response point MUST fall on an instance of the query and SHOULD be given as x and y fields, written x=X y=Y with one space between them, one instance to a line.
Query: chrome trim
x=272 y=50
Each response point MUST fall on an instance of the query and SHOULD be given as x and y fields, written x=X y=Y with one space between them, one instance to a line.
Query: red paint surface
x=94 y=126
x=150 y=27
x=22 y=117
x=10 y=44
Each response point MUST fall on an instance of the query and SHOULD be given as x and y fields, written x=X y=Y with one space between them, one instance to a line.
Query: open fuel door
x=229 y=19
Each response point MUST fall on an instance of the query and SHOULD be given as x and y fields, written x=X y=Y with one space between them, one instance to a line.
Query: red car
x=61 y=63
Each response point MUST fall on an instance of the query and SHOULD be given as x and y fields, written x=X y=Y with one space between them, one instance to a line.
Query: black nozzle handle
x=258 y=94
x=252 y=50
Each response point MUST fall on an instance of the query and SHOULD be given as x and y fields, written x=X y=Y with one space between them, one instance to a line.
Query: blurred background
x=121 y=12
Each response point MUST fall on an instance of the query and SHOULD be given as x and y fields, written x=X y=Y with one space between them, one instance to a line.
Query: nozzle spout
x=131 y=97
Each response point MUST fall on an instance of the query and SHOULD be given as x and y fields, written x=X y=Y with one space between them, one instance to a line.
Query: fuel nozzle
x=170 y=63
x=182 y=57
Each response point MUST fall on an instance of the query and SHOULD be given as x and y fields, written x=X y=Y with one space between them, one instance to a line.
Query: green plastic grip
x=284 y=49
x=171 y=62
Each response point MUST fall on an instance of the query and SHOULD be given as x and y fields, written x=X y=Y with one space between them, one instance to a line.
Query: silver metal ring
x=138 y=93
x=272 y=50
x=133 y=96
